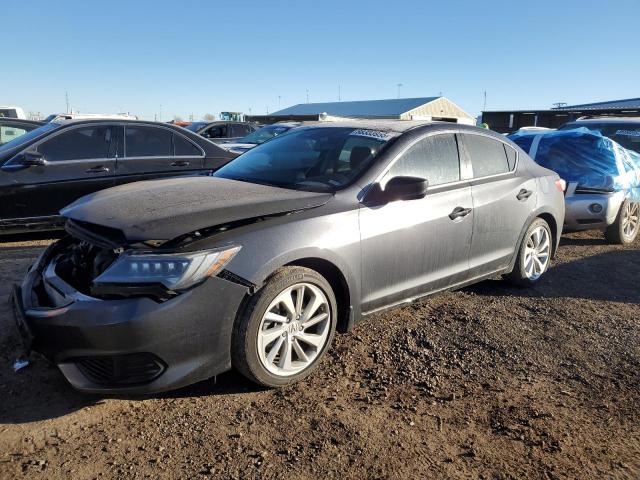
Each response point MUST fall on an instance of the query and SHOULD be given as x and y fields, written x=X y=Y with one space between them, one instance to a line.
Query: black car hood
x=166 y=209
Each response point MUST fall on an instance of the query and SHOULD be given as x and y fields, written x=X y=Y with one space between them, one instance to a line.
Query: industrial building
x=424 y=108
x=507 y=121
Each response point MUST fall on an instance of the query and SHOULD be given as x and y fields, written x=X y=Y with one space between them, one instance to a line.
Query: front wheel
x=534 y=255
x=285 y=328
x=625 y=229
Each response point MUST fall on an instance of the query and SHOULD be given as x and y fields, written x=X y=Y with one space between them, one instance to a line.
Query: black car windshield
x=626 y=134
x=263 y=134
x=315 y=159
x=22 y=139
x=195 y=126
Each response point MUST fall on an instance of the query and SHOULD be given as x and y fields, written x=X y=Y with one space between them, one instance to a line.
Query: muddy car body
x=289 y=262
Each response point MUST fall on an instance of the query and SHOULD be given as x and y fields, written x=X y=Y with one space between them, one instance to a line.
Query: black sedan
x=49 y=167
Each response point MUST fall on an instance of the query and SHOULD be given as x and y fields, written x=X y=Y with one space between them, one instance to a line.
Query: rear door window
x=78 y=144
x=240 y=130
x=142 y=141
x=488 y=156
x=434 y=158
x=184 y=147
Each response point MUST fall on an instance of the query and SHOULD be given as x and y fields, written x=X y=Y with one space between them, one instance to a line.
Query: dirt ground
x=488 y=382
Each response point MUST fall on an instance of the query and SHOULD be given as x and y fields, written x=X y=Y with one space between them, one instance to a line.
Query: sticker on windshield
x=628 y=133
x=377 y=134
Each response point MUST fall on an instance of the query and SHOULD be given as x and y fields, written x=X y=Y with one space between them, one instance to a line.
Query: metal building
x=424 y=108
x=507 y=121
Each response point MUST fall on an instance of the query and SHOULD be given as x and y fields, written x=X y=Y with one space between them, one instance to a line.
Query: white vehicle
x=12 y=112
x=54 y=117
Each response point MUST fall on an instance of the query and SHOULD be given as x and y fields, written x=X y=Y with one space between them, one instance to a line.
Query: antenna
x=399 y=85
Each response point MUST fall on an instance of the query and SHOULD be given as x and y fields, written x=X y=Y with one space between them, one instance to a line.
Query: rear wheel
x=286 y=327
x=534 y=255
x=625 y=229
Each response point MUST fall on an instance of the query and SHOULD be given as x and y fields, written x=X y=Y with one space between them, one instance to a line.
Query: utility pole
x=267 y=110
x=484 y=104
x=399 y=87
x=307 y=95
x=339 y=94
x=279 y=99
x=66 y=97
x=160 y=112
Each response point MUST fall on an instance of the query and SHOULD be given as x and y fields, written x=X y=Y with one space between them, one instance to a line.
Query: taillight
x=561 y=185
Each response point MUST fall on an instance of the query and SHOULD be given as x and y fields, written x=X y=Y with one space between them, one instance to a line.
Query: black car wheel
x=285 y=328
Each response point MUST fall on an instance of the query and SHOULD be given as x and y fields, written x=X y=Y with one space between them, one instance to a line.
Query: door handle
x=459 y=212
x=180 y=163
x=98 y=169
x=523 y=194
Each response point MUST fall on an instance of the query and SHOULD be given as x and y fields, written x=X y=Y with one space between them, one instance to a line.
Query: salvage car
x=162 y=284
x=622 y=130
x=603 y=178
x=220 y=131
x=258 y=137
x=50 y=166
x=12 y=128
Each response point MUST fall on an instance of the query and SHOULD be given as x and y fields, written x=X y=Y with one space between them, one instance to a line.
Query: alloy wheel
x=630 y=219
x=536 y=253
x=294 y=329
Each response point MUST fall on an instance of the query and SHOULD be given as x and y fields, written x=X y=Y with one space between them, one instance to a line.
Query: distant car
x=623 y=130
x=10 y=111
x=89 y=116
x=166 y=283
x=259 y=136
x=603 y=178
x=220 y=131
x=49 y=167
x=12 y=128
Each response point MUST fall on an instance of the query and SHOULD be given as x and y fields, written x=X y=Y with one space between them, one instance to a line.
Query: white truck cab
x=12 y=112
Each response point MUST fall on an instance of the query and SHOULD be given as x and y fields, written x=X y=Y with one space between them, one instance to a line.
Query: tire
x=625 y=229
x=280 y=349
x=522 y=273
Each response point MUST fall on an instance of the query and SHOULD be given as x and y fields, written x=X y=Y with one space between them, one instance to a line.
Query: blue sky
x=206 y=56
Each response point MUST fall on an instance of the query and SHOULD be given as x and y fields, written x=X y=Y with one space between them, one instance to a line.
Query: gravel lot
x=488 y=382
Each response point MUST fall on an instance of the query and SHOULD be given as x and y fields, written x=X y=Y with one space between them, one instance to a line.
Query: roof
x=629 y=103
x=398 y=126
x=363 y=108
x=606 y=119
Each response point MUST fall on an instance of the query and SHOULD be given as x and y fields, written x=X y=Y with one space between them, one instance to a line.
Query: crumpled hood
x=165 y=209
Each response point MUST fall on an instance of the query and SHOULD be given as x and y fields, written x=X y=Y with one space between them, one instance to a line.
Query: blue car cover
x=586 y=157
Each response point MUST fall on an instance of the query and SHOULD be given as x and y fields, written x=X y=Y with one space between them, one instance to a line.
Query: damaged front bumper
x=127 y=345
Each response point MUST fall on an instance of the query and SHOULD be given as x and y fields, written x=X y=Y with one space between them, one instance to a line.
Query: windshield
x=626 y=134
x=22 y=139
x=263 y=134
x=315 y=159
x=195 y=126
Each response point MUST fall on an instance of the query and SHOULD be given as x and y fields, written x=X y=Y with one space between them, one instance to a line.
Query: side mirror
x=398 y=188
x=31 y=158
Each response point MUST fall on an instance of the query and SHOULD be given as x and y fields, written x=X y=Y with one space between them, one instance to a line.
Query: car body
x=12 y=128
x=603 y=178
x=340 y=213
x=222 y=130
x=10 y=111
x=259 y=136
x=49 y=167
x=623 y=130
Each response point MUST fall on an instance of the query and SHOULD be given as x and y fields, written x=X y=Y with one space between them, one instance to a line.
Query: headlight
x=174 y=271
